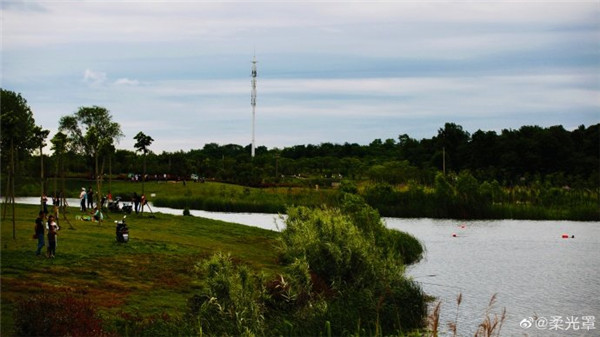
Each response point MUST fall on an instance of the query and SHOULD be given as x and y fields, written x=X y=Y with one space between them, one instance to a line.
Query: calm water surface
x=531 y=268
x=533 y=271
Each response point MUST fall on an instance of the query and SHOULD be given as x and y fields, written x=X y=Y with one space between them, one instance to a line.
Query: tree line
x=530 y=154
x=487 y=174
x=513 y=157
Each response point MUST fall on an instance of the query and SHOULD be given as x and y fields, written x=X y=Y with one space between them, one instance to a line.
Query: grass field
x=151 y=274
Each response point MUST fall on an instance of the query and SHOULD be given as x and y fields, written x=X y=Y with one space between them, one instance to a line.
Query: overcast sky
x=338 y=72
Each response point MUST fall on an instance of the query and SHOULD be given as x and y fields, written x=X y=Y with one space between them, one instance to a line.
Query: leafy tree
x=483 y=151
x=59 y=147
x=453 y=140
x=141 y=145
x=16 y=137
x=39 y=137
x=91 y=130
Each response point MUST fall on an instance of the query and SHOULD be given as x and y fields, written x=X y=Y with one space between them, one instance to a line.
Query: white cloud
x=174 y=70
x=94 y=77
x=126 y=82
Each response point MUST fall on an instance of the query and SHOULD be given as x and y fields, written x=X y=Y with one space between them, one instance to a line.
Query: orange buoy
x=565 y=236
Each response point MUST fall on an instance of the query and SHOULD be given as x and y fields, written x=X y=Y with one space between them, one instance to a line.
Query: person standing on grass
x=90 y=198
x=52 y=233
x=39 y=232
x=45 y=203
x=83 y=199
x=136 y=203
x=142 y=202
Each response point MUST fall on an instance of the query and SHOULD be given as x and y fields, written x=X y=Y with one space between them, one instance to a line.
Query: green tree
x=16 y=137
x=39 y=137
x=141 y=145
x=453 y=141
x=59 y=147
x=90 y=131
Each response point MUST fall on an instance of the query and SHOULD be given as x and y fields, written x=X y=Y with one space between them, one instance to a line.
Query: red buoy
x=565 y=236
x=453 y=235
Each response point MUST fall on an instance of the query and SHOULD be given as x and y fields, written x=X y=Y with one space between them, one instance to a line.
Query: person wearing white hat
x=82 y=199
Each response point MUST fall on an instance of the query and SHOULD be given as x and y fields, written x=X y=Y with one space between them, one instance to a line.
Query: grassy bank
x=459 y=197
x=331 y=269
x=150 y=275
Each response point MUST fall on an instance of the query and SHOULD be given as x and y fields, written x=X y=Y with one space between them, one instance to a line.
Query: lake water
x=531 y=268
x=550 y=286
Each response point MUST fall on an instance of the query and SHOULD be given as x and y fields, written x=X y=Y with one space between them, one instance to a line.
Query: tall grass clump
x=231 y=301
x=342 y=273
x=354 y=265
x=393 y=243
x=490 y=326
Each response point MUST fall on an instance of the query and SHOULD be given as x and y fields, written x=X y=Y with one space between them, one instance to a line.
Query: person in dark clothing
x=45 y=203
x=52 y=233
x=90 y=198
x=39 y=232
x=136 y=203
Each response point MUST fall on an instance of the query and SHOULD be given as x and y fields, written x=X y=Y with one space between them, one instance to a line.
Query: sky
x=335 y=71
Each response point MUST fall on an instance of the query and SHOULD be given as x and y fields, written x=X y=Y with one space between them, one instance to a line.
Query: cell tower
x=253 y=99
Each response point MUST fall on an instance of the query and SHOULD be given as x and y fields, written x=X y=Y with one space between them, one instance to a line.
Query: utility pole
x=253 y=100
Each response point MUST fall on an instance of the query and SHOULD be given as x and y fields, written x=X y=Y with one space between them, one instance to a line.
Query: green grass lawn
x=150 y=274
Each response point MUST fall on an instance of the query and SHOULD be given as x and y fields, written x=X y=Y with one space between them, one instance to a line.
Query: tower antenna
x=253 y=99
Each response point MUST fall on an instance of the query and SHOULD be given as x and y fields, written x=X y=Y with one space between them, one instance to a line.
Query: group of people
x=139 y=201
x=86 y=198
x=49 y=228
x=46 y=227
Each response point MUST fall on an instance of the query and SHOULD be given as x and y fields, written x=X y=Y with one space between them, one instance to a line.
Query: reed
x=492 y=323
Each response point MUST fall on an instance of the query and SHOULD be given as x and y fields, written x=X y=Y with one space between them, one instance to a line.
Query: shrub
x=394 y=243
x=342 y=269
x=356 y=256
x=232 y=301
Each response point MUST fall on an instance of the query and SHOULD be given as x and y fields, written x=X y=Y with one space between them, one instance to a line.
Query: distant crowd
x=46 y=226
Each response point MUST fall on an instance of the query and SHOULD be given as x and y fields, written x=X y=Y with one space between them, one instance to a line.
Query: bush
x=343 y=270
x=57 y=315
x=360 y=263
x=393 y=243
x=232 y=301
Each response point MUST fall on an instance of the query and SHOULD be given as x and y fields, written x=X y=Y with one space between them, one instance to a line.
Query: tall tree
x=142 y=143
x=16 y=137
x=59 y=147
x=453 y=140
x=39 y=137
x=110 y=151
x=90 y=130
